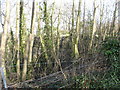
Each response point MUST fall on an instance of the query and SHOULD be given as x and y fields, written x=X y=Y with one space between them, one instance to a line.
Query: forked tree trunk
x=40 y=35
x=28 y=52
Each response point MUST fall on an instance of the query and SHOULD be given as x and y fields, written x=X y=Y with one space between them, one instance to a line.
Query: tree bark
x=18 y=38
x=77 y=33
x=94 y=25
x=32 y=31
x=113 y=22
x=4 y=37
x=28 y=52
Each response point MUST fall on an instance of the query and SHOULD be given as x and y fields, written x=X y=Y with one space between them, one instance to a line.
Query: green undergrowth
x=109 y=79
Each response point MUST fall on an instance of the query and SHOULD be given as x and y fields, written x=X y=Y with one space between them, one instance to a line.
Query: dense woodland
x=60 y=48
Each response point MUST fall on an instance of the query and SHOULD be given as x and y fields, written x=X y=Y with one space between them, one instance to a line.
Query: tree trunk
x=83 y=25
x=4 y=37
x=72 y=32
x=94 y=25
x=25 y=62
x=77 y=34
x=113 y=22
x=46 y=31
x=28 y=52
x=32 y=31
x=18 y=38
x=40 y=35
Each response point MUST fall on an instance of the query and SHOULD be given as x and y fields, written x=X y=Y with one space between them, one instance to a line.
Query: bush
x=111 y=78
x=111 y=49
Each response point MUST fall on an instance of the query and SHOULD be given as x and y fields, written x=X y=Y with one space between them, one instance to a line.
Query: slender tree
x=101 y=17
x=58 y=34
x=18 y=38
x=46 y=30
x=4 y=36
x=23 y=51
x=28 y=58
x=72 y=32
x=0 y=13
x=32 y=30
x=77 y=33
x=0 y=46
x=113 y=21
x=94 y=25
x=83 y=24
x=39 y=15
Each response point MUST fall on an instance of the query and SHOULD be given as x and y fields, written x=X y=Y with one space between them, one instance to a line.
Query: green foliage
x=109 y=79
x=111 y=47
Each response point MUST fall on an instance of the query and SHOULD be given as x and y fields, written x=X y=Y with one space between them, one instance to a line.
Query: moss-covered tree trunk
x=31 y=36
x=22 y=38
x=18 y=38
x=29 y=46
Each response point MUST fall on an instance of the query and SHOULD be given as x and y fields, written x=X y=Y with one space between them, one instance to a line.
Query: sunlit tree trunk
x=21 y=28
x=52 y=37
x=106 y=30
x=4 y=36
x=72 y=31
x=32 y=30
x=0 y=14
x=18 y=38
x=58 y=34
x=101 y=18
x=1 y=29
x=29 y=43
x=57 y=41
x=83 y=25
x=94 y=25
x=113 y=21
x=21 y=42
x=40 y=34
x=46 y=31
x=55 y=55
x=106 y=27
x=25 y=62
x=46 y=20
x=77 y=33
